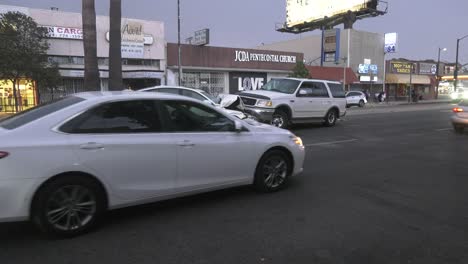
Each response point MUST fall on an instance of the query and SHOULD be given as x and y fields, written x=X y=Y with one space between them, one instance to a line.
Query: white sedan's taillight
x=457 y=110
x=3 y=154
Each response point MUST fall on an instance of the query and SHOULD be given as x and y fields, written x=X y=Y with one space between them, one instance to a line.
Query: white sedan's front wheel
x=273 y=171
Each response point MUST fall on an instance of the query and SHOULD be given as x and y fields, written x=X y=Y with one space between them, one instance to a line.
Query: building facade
x=227 y=70
x=143 y=51
x=361 y=51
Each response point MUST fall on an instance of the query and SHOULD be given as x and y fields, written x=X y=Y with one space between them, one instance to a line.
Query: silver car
x=355 y=98
x=460 y=117
x=234 y=108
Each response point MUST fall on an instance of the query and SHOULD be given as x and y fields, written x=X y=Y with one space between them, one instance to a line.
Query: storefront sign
x=246 y=81
x=200 y=38
x=331 y=45
x=390 y=42
x=64 y=32
x=245 y=56
x=427 y=68
x=368 y=68
x=133 y=40
x=402 y=67
x=368 y=79
x=147 y=38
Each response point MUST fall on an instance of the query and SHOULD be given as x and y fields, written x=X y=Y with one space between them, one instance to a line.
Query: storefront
x=420 y=76
x=143 y=50
x=227 y=70
x=19 y=98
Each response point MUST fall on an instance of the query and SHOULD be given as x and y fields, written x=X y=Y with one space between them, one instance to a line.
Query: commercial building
x=361 y=51
x=227 y=70
x=143 y=53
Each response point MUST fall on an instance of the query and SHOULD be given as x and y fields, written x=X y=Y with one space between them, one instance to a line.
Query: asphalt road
x=381 y=187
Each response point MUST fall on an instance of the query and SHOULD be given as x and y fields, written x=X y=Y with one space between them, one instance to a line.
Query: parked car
x=355 y=98
x=65 y=163
x=285 y=101
x=460 y=117
x=234 y=107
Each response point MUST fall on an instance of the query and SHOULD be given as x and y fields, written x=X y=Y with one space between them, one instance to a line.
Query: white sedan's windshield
x=215 y=99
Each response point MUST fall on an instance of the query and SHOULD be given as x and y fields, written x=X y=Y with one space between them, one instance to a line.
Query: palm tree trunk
x=115 y=40
x=91 y=72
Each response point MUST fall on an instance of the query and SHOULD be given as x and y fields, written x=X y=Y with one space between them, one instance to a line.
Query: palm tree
x=91 y=72
x=115 y=39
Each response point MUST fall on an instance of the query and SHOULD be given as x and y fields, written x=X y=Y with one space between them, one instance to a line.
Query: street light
x=438 y=69
x=455 y=74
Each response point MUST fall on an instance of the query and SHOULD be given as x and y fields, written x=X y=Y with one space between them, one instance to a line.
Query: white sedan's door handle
x=91 y=146
x=186 y=143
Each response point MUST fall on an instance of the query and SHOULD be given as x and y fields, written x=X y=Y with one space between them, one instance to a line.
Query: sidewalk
x=394 y=103
x=4 y=115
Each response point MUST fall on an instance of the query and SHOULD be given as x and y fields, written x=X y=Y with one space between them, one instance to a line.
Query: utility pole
x=179 y=64
x=455 y=74
x=410 y=82
x=438 y=72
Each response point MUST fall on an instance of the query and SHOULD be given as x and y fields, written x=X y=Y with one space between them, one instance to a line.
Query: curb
x=406 y=103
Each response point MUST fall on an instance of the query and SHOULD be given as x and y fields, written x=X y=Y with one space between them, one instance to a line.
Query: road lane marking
x=444 y=129
x=330 y=143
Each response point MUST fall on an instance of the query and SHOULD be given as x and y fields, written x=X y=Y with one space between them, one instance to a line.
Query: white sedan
x=65 y=163
x=460 y=117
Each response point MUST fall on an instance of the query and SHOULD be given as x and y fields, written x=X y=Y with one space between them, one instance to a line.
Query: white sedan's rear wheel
x=68 y=206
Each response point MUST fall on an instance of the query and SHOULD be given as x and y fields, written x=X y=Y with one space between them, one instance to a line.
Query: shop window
x=210 y=82
x=25 y=96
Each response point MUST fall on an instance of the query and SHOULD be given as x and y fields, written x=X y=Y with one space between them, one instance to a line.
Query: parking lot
x=386 y=185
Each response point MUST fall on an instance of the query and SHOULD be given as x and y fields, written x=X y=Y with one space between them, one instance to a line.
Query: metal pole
x=179 y=64
x=455 y=73
x=410 y=82
x=384 y=88
x=438 y=76
x=344 y=73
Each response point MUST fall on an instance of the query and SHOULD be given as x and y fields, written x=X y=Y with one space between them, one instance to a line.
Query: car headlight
x=454 y=95
x=297 y=141
x=264 y=103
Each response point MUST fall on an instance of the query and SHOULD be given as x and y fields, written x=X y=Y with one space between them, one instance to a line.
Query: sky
x=422 y=25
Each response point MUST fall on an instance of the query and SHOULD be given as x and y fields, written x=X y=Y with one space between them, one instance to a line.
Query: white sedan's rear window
x=37 y=112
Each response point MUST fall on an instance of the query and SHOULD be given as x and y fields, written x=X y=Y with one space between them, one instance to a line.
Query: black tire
x=269 y=179
x=459 y=129
x=361 y=103
x=330 y=118
x=79 y=203
x=280 y=119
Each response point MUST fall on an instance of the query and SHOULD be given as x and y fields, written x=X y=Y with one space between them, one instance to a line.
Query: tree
x=91 y=72
x=115 y=52
x=47 y=79
x=23 y=49
x=300 y=71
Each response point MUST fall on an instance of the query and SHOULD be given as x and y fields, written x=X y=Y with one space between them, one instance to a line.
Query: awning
x=332 y=74
x=405 y=79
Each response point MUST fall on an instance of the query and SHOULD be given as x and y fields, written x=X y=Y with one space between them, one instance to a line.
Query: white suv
x=286 y=101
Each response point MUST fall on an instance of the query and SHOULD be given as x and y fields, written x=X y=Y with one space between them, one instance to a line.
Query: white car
x=285 y=101
x=460 y=117
x=201 y=95
x=355 y=98
x=65 y=163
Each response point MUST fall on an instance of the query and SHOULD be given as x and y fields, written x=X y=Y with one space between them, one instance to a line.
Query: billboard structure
x=308 y=15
